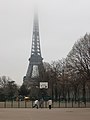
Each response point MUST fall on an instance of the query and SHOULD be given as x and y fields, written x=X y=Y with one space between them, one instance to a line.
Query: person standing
x=50 y=103
x=36 y=103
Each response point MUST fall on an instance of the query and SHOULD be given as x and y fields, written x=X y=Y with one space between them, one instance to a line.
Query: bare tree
x=8 y=88
x=78 y=62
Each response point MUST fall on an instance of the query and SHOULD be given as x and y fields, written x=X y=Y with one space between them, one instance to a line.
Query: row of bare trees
x=70 y=77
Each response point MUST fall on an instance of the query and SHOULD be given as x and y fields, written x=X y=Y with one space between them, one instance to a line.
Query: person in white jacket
x=36 y=103
x=50 y=103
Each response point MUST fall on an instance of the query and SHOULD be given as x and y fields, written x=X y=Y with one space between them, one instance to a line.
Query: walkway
x=44 y=114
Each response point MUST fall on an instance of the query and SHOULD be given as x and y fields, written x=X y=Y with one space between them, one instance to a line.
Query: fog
x=61 y=23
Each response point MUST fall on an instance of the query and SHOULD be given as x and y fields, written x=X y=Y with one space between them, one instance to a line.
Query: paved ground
x=45 y=114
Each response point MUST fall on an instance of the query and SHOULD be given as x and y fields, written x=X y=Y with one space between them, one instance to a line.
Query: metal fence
x=58 y=104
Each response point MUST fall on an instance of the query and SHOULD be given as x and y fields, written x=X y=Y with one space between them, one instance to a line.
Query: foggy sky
x=61 y=23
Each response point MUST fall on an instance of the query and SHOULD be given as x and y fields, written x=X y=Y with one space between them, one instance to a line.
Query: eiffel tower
x=35 y=69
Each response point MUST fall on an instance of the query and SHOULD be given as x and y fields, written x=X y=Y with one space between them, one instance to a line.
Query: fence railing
x=58 y=104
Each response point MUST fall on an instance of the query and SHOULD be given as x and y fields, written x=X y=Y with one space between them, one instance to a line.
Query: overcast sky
x=61 y=23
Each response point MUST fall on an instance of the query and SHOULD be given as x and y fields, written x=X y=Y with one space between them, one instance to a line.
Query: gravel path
x=45 y=114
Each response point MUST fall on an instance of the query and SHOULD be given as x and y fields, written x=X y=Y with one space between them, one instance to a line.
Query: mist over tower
x=35 y=68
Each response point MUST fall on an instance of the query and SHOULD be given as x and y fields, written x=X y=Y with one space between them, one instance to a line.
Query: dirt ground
x=44 y=114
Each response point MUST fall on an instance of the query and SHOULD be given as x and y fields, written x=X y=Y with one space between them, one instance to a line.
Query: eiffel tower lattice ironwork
x=35 y=61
